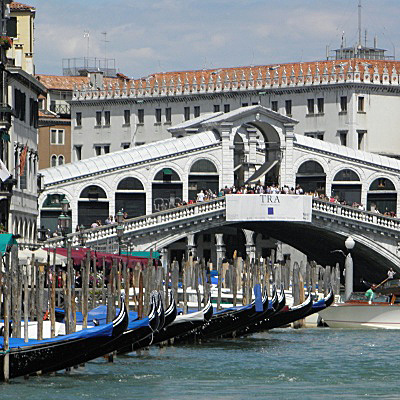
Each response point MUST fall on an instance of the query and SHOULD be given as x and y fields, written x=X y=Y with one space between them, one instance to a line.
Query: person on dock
x=370 y=294
x=391 y=274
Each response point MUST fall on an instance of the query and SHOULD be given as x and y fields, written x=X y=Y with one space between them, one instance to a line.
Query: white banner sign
x=268 y=207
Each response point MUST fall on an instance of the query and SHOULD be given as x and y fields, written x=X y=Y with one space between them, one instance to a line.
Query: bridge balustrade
x=182 y=213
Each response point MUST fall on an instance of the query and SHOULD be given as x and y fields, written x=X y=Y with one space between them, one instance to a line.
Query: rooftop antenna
x=105 y=48
x=86 y=35
x=359 y=24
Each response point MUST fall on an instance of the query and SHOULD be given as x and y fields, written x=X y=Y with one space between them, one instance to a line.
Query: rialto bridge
x=249 y=145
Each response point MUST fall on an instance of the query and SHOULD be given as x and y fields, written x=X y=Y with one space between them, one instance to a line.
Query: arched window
x=130 y=184
x=60 y=159
x=310 y=168
x=346 y=175
x=167 y=175
x=53 y=161
x=382 y=184
x=203 y=166
x=93 y=192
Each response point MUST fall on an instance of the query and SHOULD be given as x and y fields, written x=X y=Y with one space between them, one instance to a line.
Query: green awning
x=5 y=136
x=167 y=171
x=143 y=254
x=6 y=239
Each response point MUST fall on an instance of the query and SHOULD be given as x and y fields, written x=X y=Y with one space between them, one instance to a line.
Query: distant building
x=20 y=26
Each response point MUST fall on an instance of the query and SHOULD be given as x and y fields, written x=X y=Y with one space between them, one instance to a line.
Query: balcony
x=63 y=110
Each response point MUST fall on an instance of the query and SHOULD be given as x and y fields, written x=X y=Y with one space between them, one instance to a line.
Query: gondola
x=289 y=314
x=61 y=352
x=227 y=321
x=148 y=340
x=183 y=325
x=278 y=302
x=322 y=304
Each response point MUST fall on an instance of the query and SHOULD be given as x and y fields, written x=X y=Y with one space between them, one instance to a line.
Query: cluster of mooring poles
x=39 y=291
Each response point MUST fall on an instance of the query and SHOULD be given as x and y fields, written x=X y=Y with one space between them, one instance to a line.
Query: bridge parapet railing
x=356 y=214
x=144 y=221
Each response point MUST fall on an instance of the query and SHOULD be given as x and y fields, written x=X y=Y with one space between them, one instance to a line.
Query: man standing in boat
x=391 y=274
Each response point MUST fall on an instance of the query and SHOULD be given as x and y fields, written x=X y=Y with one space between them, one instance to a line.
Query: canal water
x=302 y=364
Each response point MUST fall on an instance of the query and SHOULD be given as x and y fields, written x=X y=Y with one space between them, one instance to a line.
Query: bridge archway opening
x=382 y=196
x=238 y=160
x=167 y=189
x=311 y=177
x=51 y=210
x=347 y=187
x=130 y=197
x=92 y=206
x=203 y=175
x=268 y=141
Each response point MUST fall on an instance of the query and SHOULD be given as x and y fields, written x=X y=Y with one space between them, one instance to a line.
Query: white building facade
x=348 y=102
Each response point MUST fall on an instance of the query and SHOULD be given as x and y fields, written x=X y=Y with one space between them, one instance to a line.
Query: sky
x=149 y=36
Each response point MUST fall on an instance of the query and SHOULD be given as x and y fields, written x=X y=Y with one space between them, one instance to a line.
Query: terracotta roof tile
x=68 y=82
x=15 y=6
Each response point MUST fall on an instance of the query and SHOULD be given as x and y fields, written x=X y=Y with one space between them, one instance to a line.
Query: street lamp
x=64 y=220
x=120 y=233
x=42 y=234
x=120 y=217
x=348 y=264
x=82 y=235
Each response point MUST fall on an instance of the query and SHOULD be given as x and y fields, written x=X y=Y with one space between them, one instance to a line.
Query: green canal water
x=282 y=364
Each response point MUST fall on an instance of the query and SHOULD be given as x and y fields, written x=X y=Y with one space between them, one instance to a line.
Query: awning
x=142 y=254
x=79 y=255
x=262 y=171
x=6 y=239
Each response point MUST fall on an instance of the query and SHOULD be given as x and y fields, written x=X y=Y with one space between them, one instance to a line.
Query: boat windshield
x=360 y=296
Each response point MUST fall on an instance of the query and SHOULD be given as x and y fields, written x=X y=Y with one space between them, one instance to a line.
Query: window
x=196 y=111
x=78 y=153
x=216 y=107
x=97 y=150
x=274 y=106
x=106 y=149
x=343 y=103
x=158 y=115
x=60 y=159
x=186 y=112
x=19 y=104
x=361 y=139
x=310 y=106
x=125 y=145
x=57 y=136
x=107 y=118
x=245 y=104
x=127 y=117
x=168 y=114
x=12 y=30
x=33 y=112
x=361 y=104
x=288 y=107
x=315 y=135
x=78 y=119
x=141 y=116
x=343 y=138
x=98 y=118
x=255 y=103
x=53 y=161
x=320 y=105
x=227 y=108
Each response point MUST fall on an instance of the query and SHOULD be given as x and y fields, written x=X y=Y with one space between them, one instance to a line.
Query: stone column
x=250 y=245
x=252 y=153
x=287 y=175
x=227 y=178
x=191 y=245
x=220 y=246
